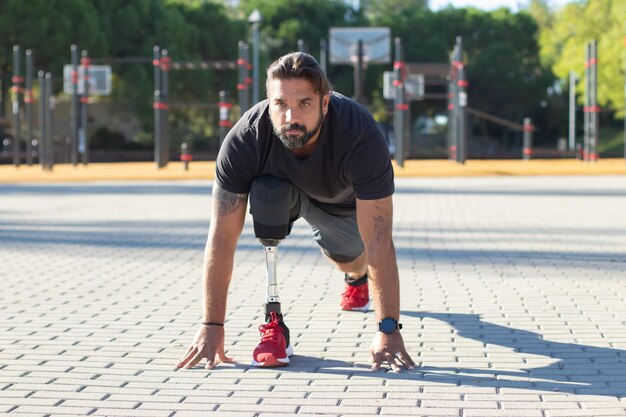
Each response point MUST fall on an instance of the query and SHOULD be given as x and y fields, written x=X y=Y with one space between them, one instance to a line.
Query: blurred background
x=519 y=59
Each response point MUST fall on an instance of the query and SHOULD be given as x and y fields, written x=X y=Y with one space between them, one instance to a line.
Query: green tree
x=563 y=47
x=287 y=21
x=48 y=28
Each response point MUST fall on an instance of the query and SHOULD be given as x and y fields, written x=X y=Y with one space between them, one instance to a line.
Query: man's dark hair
x=299 y=65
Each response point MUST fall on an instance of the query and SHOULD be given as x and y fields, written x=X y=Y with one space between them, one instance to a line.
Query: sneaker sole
x=366 y=307
x=273 y=362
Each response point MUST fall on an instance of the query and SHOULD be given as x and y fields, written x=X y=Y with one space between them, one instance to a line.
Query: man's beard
x=297 y=141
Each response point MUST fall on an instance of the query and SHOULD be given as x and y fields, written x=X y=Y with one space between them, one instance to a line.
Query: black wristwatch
x=388 y=325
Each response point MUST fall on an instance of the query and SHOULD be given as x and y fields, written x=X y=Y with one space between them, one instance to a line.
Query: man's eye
x=306 y=104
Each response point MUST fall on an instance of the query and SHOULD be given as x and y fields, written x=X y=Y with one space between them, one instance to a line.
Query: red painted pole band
x=241 y=86
x=593 y=61
x=397 y=83
x=17 y=79
x=453 y=148
x=402 y=107
x=156 y=62
x=166 y=63
x=85 y=100
x=160 y=106
x=223 y=104
x=225 y=123
x=248 y=80
x=591 y=109
x=463 y=83
x=529 y=128
x=593 y=156
x=85 y=61
x=398 y=65
x=528 y=151
x=186 y=157
x=450 y=106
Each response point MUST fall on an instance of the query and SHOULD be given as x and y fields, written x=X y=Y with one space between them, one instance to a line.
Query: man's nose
x=291 y=115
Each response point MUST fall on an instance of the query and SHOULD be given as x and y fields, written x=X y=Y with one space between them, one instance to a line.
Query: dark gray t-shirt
x=351 y=158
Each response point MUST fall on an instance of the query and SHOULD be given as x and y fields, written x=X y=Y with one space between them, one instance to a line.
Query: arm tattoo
x=228 y=202
x=380 y=220
x=379 y=227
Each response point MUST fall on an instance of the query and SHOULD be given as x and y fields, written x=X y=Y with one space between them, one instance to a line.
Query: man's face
x=297 y=111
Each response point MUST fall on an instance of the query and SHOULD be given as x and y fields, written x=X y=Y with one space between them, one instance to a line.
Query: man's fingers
x=405 y=360
x=210 y=364
x=377 y=361
x=226 y=359
x=197 y=358
x=189 y=354
x=391 y=360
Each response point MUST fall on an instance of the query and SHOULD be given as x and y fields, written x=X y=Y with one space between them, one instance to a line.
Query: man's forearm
x=217 y=271
x=384 y=282
x=228 y=214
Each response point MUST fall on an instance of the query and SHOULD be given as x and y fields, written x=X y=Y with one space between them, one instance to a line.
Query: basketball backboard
x=413 y=86
x=375 y=40
x=99 y=80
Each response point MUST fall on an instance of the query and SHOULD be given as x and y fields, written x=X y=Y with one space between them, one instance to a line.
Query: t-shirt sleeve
x=236 y=162
x=370 y=166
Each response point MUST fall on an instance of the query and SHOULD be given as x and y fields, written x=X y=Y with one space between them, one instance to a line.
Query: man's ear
x=325 y=103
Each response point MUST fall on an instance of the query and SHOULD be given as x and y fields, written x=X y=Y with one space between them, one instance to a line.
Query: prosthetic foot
x=271 y=205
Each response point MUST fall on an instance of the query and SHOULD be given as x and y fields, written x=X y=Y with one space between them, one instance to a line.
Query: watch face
x=388 y=325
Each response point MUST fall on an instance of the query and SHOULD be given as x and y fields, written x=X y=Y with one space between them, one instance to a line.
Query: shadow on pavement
x=577 y=369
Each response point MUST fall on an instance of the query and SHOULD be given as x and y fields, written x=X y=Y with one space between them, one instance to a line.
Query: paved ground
x=513 y=305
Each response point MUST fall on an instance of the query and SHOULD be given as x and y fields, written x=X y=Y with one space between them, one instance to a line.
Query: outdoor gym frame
x=80 y=93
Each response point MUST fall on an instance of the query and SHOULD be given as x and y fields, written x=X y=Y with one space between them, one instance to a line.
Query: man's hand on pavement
x=390 y=348
x=207 y=343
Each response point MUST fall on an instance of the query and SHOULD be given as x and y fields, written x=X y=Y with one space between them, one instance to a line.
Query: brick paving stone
x=512 y=297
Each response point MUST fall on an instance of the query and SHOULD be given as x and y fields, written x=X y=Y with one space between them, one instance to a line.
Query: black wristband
x=211 y=323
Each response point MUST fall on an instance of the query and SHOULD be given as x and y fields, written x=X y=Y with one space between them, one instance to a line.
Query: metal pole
x=165 y=140
x=595 y=109
x=74 y=109
x=48 y=123
x=28 y=107
x=323 y=54
x=358 y=73
x=83 y=140
x=301 y=47
x=450 y=133
x=242 y=86
x=587 y=128
x=43 y=149
x=156 y=63
x=255 y=63
x=17 y=80
x=224 y=106
x=400 y=107
x=572 y=111
x=527 y=150
x=462 y=104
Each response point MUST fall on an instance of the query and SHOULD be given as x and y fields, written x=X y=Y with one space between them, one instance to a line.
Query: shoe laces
x=271 y=332
x=352 y=291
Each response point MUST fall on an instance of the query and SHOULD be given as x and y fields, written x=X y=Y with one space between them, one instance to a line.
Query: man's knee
x=274 y=205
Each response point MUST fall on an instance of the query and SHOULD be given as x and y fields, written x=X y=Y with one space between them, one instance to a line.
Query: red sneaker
x=356 y=298
x=272 y=350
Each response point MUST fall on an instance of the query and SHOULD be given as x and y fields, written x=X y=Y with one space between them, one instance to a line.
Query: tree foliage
x=563 y=46
x=500 y=47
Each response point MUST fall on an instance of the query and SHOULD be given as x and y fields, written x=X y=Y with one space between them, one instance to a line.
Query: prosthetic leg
x=274 y=205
